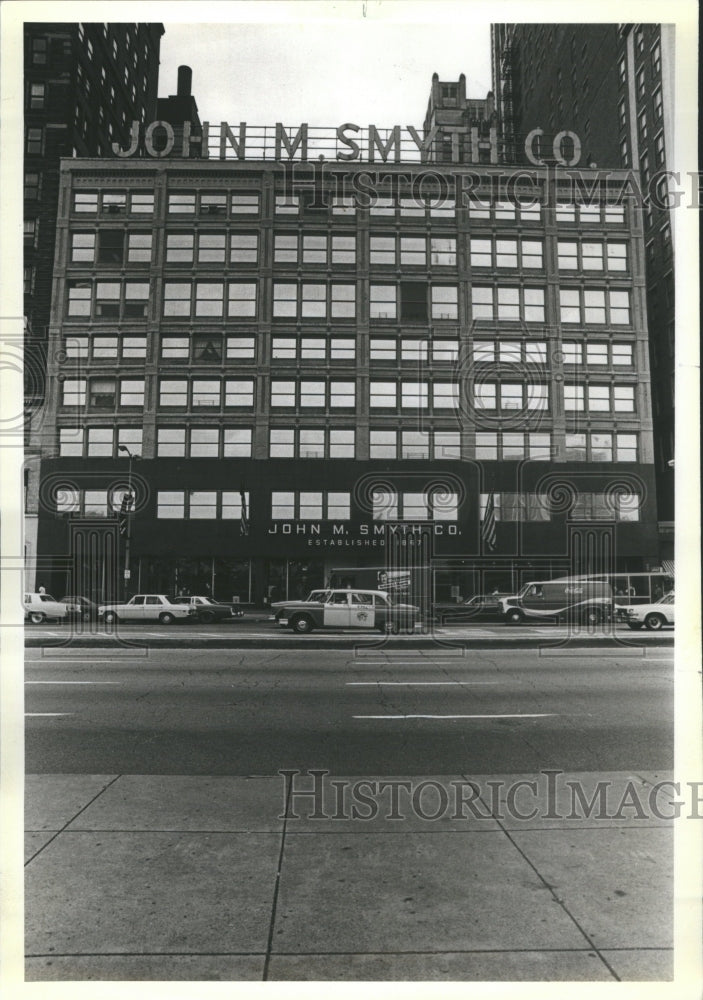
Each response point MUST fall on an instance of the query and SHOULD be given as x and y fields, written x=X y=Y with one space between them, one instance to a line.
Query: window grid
x=310 y=505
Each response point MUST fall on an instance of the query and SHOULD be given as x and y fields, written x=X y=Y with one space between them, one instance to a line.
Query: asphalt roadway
x=164 y=843
x=355 y=712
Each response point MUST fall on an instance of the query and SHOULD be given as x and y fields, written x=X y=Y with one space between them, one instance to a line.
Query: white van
x=586 y=601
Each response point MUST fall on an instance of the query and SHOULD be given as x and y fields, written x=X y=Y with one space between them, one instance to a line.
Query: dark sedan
x=481 y=607
x=207 y=611
x=88 y=608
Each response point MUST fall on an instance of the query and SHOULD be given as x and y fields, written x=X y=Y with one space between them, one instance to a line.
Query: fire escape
x=506 y=104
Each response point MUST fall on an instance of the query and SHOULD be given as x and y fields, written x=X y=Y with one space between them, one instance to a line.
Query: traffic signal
x=125 y=510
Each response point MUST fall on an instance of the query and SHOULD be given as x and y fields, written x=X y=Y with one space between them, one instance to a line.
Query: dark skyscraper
x=613 y=86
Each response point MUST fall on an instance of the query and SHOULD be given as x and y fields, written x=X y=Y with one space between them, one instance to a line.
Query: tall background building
x=613 y=86
x=84 y=84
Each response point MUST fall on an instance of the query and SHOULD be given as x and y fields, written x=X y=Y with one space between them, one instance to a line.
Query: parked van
x=585 y=601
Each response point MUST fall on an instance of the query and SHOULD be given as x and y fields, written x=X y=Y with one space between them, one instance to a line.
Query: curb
x=337 y=642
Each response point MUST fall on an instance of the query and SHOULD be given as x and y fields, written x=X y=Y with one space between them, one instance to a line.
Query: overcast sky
x=353 y=70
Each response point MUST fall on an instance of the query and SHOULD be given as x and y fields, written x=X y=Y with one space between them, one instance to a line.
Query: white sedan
x=145 y=607
x=43 y=607
x=652 y=616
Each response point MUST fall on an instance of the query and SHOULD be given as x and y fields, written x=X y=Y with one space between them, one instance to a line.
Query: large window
x=313 y=393
x=513 y=445
x=605 y=507
x=601 y=446
x=409 y=444
x=413 y=301
x=314 y=300
x=426 y=505
x=241 y=300
x=179 y=248
x=507 y=303
x=244 y=248
x=313 y=348
x=594 y=306
x=440 y=395
x=112 y=299
x=310 y=505
x=599 y=397
x=245 y=204
x=437 y=207
x=444 y=302
x=412 y=251
x=598 y=353
x=510 y=395
x=311 y=442
x=200 y=504
x=517 y=506
x=509 y=253
x=531 y=352
x=209 y=299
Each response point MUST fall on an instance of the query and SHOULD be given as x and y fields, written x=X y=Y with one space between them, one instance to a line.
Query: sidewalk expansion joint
x=277 y=884
x=560 y=902
x=68 y=822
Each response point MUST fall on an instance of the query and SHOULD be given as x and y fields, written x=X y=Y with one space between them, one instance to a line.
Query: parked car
x=486 y=607
x=365 y=609
x=573 y=600
x=43 y=607
x=85 y=607
x=652 y=616
x=146 y=608
x=206 y=610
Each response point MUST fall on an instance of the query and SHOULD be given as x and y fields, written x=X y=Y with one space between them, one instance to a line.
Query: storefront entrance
x=292 y=579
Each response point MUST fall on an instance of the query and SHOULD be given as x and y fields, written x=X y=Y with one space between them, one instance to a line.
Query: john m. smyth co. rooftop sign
x=348 y=142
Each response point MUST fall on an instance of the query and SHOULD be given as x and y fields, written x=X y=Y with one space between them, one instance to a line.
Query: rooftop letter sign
x=345 y=143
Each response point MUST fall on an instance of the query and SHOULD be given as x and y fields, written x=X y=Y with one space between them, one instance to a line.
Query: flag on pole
x=125 y=509
x=488 y=524
x=244 y=523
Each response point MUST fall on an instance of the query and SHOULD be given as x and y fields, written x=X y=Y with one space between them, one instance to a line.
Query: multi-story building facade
x=613 y=86
x=307 y=374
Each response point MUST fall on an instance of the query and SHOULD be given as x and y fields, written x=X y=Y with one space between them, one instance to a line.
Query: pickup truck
x=206 y=610
x=358 y=609
x=146 y=608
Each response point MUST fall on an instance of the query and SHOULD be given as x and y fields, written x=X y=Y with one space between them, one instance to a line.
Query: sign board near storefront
x=364 y=535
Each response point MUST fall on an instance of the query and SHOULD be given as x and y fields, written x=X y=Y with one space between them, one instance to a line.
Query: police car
x=357 y=609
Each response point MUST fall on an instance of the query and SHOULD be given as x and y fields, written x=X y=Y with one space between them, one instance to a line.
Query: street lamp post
x=127 y=504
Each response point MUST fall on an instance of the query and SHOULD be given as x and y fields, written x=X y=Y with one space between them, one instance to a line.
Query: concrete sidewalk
x=149 y=877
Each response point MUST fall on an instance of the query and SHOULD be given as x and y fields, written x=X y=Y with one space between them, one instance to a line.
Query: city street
x=163 y=843
x=344 y=507
x=234 y=712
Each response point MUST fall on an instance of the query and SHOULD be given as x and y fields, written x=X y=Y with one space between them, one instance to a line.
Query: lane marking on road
x=82 y=660
x=417 y=683
x=73 y=682
x=32 y=715
x=541 y=715
x=453 y=629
